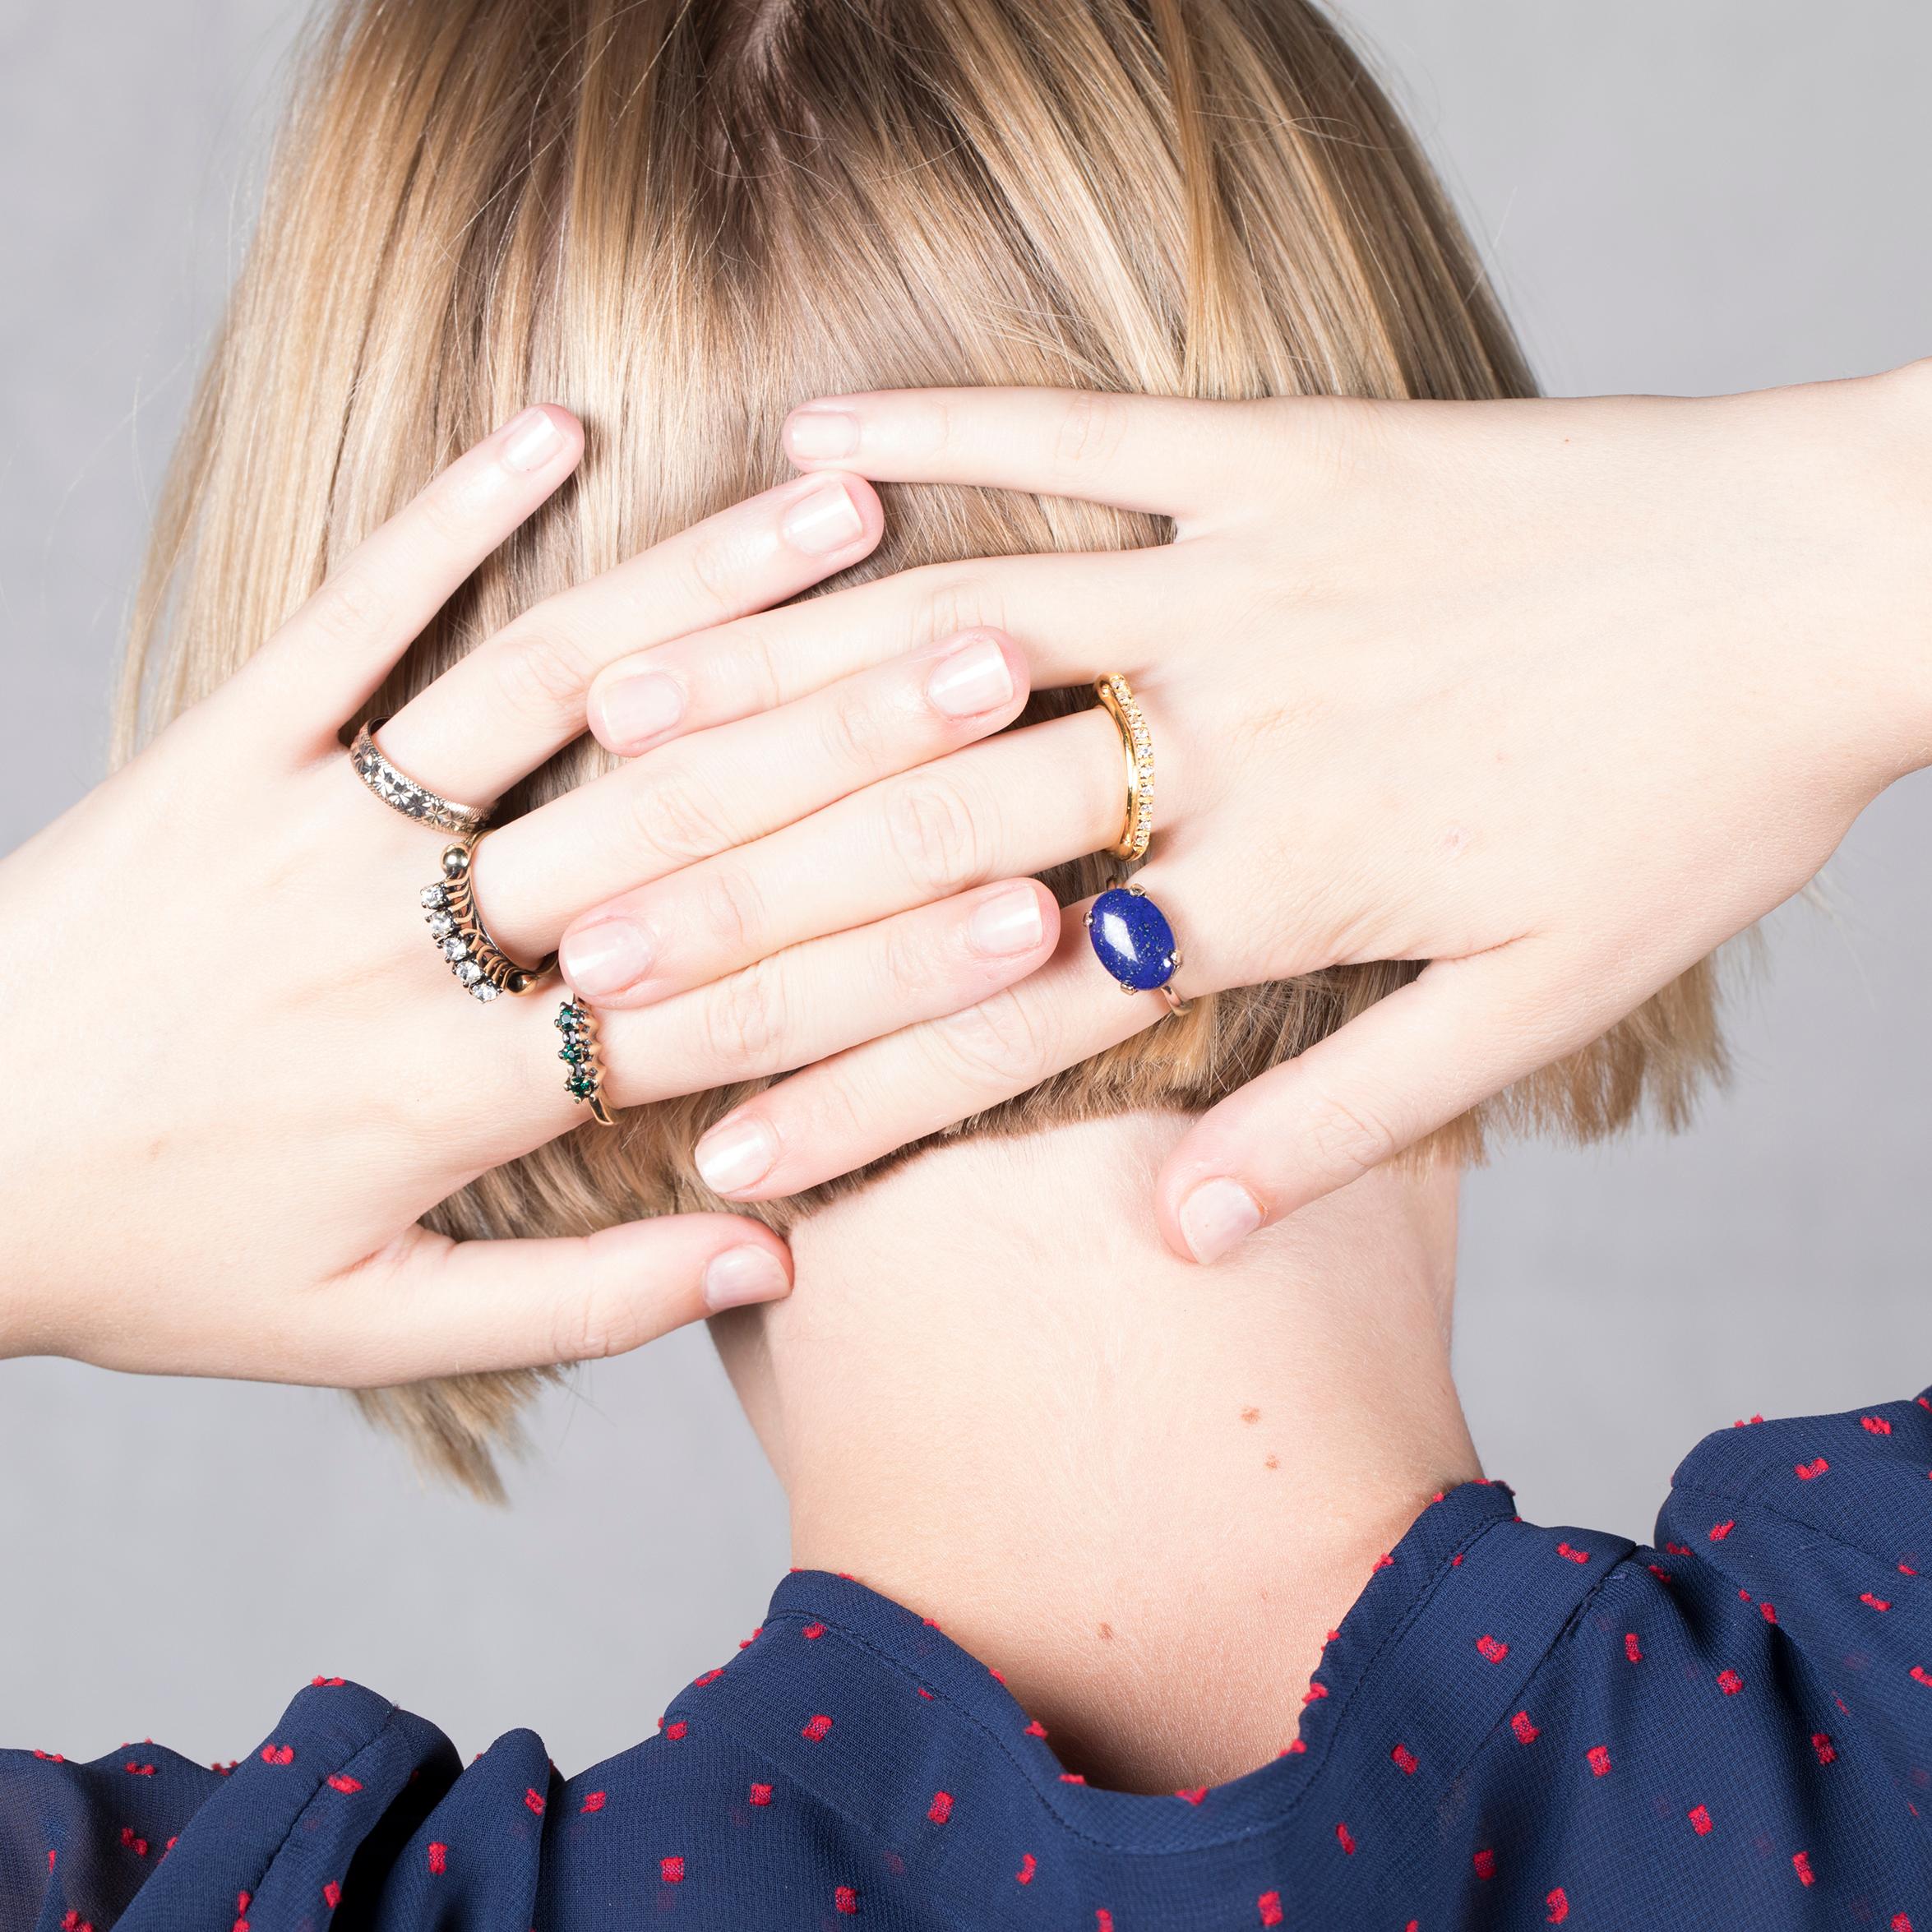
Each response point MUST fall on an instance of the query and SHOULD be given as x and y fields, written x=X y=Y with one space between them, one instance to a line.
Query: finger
x=322 y=665
x=817 y=998
x=1015 y=804
x=520 y=697
x=868 y=1102
x=432 y=1306
x=703 y=795
x=1462 y=1031
x=1166 y=455
x=1081 y=614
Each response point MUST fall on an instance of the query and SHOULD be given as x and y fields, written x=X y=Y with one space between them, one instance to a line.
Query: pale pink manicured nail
x=1008 y=923
x=736 y=1154
x=1216 y=1216
x=975 y=679
x=743 y=1274
x=826 y=521
x=531 y=439
x=822 y=432
x=605 y=957
x=631 y=711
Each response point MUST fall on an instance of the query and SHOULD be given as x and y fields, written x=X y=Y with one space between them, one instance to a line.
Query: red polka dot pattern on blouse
x=1505 y=1729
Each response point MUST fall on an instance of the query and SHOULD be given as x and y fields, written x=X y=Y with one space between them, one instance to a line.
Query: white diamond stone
x=441 y=925
x=468 y=972
x=483 y=991
x=431 y=895
x=454 y=949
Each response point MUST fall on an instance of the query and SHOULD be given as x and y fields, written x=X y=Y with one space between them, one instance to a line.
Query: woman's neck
x=1143 y=1490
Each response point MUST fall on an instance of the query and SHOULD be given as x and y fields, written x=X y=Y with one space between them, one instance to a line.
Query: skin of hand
x=1556 y=695
x=238 y=1071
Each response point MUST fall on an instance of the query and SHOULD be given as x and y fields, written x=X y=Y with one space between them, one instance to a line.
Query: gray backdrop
x=1673 y=199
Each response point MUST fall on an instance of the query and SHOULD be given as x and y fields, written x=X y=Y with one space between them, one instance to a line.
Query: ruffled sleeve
x=144 y=1838
x=1824 y=1523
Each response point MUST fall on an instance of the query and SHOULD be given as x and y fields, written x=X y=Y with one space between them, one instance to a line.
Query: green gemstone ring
x=583 y=1079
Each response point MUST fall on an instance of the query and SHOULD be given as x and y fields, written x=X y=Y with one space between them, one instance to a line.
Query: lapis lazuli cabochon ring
x=1134 y=941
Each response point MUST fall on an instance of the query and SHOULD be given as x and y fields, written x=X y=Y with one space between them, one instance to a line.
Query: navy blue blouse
x=1514 y=1726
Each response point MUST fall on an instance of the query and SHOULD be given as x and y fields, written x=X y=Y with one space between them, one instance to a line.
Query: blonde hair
x=682 y=217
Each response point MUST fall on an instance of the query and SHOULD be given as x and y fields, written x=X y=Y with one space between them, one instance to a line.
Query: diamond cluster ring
x=481 y=966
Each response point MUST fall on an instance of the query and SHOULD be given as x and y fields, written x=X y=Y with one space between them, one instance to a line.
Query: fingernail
x=631 y=711
x=821 y=433
x=735 y=1154
x=826 y=521
x=1008 y=923
x=605 y=957
x=973 y=679
x=1216 y=1216
x=743 y=1274
x=531 y=439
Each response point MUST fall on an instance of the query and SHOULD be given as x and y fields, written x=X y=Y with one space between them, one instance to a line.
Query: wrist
x=1885 y=618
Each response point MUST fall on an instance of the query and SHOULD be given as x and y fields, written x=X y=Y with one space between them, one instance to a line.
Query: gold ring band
x=1116 y=695
x=400 y=792
x=482 y=968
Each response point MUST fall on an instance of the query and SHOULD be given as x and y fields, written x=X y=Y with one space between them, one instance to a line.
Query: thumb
x=427 y=1306
x=1461 y=1031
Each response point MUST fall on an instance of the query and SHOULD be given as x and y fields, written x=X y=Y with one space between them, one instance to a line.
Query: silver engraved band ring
x=400 y=792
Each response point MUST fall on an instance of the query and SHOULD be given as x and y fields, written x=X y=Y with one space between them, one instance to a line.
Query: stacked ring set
x=482 y=968
x=1130 y=935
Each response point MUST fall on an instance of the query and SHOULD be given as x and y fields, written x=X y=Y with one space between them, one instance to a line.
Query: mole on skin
x=1107 y=1633
x=1251 y=1415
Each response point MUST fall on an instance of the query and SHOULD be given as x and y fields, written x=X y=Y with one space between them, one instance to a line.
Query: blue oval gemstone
x=1132 y=939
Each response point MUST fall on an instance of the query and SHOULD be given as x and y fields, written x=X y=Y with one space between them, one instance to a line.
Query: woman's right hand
x=237 y=1071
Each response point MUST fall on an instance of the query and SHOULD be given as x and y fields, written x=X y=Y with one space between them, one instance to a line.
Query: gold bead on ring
x=1117 y=695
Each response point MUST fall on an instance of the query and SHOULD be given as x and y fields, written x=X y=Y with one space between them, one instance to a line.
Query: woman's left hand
x=1556 y=697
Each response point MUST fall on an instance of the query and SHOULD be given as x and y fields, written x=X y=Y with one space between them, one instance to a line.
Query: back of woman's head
x=683 y=217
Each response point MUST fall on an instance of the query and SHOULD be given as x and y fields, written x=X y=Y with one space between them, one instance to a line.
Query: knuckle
x=448 y=513
x=857 y=727
x=843 y=1117
x=926 y=426
x=950 y=599
x=731 y=910
x=1344 y=440
x=588 y=1325
x=933 y=835
x=678 y=818
x=543 y=674
x=350 y=608
x=743 y=1021
x=714 y=568
x=908 y=967
x=1347 y=1137
x=750 y=670
x=999 y=1043
x=1092 y=424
